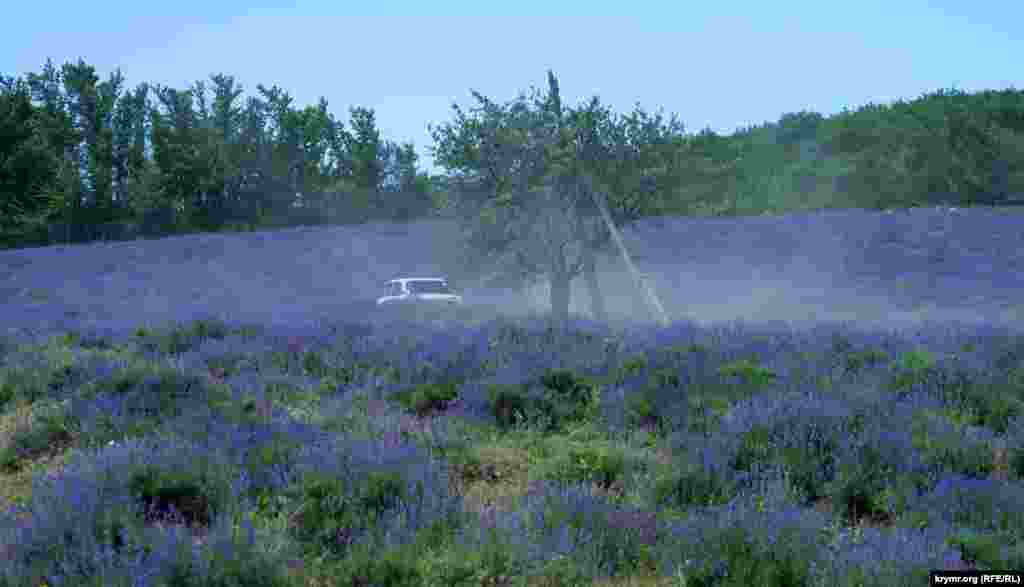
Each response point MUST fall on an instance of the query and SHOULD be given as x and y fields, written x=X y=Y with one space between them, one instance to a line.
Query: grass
x=713 y=457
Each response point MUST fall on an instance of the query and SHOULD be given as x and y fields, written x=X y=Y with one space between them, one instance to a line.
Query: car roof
x=401 y=279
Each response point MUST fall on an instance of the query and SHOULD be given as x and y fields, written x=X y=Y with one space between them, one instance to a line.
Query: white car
x=426 y=291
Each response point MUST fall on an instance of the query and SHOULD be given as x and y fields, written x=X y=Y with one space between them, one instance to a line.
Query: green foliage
x=187 y=492
x=749 y=371
x=47 y=433
x=976 y=402
x=563 y=572
x=510 y=405
x=333 y=516
x=569 y=395
x=1016 y=462
x=600 y=464
x=427 y=397
x=122 y=380
x=398 y=567
x=563 y=398
x=633 y=366
x=916 y=360
x=744 y=562
x=692 y=486
x=227 y=365
x=807 y=470
x=640 y=409
x=21 y=383
x=161 y=160
x=7 y=392
x=755 y=447
x=313 y=364
x=913 y=368
x=859 y=490
x=182 y=338
x=854 y=363
x=983 y=550
x=279 y=452
x=948 y=452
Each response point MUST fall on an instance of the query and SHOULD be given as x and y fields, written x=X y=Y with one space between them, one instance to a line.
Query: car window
x=394 y=289
x=428 y=287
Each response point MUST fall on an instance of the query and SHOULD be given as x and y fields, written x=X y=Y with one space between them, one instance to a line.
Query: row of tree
x=528 y=178
x=83 y=158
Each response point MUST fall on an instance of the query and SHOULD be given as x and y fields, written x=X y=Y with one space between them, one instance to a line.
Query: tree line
x=82 y=159
x=528 y=177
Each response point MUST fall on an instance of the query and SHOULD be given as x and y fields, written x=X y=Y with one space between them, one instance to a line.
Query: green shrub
x=333 y=518
x=640 y=410
x=913 y=368
x=744 y=562
x=23 y=384
x=859 y=491
x=993 y=406
x=807 y=470
x=213 y=329
x=602 y=464
x=189 y=493
x=511 y=405
x=1016 y=462
x=61 y=378
x=280 y=451
x=947 y=452
x=7 y=392
x=665 y=377
x=692 y=486
x=226 y=364
x=123 y=380
x=983 y=550
x=180 y=339
x=427 y=397
x=313 y=364
x=48 y=433
x=632 y=366
x=855 y=362
x=396 y=567
x=749 y=371
x=563 y=572
x=569 y=397
x=755 y=447
x=491 y=563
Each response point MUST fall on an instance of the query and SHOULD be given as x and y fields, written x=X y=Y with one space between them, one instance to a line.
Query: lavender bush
x=227 y=448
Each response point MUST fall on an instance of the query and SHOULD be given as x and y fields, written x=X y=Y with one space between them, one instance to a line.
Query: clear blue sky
x=716 y=64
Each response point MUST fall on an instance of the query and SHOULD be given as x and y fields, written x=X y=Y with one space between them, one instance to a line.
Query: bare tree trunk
x=561 y=290
x=597 y=307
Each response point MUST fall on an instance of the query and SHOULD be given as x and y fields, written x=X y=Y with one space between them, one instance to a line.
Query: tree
x=27 y=164
x=517 y=211
x=362 y=165
x=529 y=176
x=58 y=130
x=406 y=191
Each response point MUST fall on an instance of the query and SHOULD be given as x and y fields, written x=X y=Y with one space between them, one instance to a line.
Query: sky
x=721 y=65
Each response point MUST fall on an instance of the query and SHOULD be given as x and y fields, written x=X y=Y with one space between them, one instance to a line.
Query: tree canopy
x=84 y=158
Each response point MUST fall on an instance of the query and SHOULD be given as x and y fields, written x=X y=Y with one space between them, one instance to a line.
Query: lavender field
x=839 y=401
